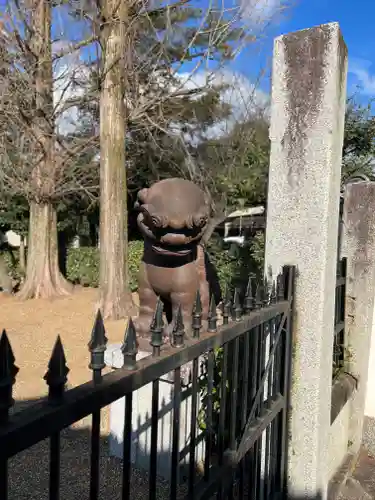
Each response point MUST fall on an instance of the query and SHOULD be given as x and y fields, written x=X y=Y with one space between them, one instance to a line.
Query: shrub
x=13 y=266
x=134 y=260
x=82 y=265
x=234 y=264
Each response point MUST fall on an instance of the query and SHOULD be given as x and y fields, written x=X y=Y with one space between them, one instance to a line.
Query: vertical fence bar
x=233 y=406
x=95 y=454
x=156 y=330
x=209 y=423
x=273 y=377
x=276 y=384
x=270 y=395
x=154 y=439
x=253 y=455
x=262 y=361
x=244 y=400
x=288 y=279
x=56 y=378
x=8 y=372
x=223 y=413
x=126 y=460
x=54 y=477
x=97 y=347
x=257 y=487
x=175 y=434
x=197 y=325
x=129 y=351
x=4 y=478
x=193 y=428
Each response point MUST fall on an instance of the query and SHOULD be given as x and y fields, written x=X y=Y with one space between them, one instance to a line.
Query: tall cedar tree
x=115 y=296
x=43 y=277
x=143 y=109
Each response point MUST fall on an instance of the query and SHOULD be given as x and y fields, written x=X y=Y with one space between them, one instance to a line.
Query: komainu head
x=173 y=214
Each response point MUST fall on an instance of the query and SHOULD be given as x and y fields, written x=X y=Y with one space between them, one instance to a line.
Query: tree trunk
x=43 y=277
x=115 y=297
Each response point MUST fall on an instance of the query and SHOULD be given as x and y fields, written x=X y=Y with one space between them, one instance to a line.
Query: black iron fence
x=244 y=405
x=338 y=360
x=339 y=331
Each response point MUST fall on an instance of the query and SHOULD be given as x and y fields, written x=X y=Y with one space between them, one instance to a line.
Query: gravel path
x=28 y=472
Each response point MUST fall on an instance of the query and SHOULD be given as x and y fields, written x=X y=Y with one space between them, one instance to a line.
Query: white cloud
x=65 y=89
x=259 y=12
x=241 y=94
x=361 y=69
x=71 y=77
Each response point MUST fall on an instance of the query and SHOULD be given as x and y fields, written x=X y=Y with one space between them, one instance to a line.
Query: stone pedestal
x=141 y=421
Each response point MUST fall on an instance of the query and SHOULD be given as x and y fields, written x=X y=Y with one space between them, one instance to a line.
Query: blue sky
x=356 y=19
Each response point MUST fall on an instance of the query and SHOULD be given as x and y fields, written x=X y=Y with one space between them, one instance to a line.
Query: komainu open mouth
x=172 y=251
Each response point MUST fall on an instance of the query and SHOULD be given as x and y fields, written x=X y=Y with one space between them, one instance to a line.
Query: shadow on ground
x=29 y=471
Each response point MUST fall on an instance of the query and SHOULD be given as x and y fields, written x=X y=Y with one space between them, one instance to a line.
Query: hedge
x=13 y=267
x=233 y=264
x=82 y=265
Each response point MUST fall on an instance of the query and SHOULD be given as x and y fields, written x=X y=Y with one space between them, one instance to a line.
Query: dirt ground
x=33 y=326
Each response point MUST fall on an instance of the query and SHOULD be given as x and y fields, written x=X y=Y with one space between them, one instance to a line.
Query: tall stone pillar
x=359 y=222
x=307 y=127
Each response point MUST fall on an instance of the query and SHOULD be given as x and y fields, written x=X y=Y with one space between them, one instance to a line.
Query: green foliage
x=238 y=163
x=234 y=264
x=14 y=214
x=12 y=262
x=219 y=388
x=257 y=246
x=83 y=265
x=217 y=392
x=359 y=140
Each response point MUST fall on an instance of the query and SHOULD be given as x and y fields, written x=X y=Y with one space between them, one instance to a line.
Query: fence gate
x=252 y=429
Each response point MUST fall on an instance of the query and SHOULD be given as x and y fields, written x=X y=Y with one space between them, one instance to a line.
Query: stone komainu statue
x=173 y=216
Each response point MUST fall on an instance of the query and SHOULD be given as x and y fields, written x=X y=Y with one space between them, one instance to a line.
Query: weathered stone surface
x=353 y=490
x=307 y=126
x=359 y=223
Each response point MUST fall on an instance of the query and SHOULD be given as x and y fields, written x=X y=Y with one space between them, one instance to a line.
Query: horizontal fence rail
x=243 y=403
